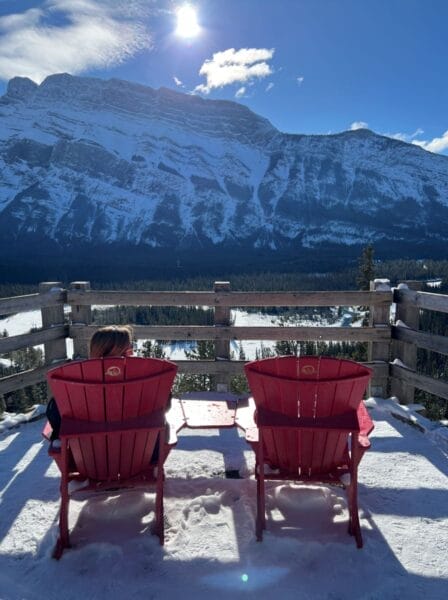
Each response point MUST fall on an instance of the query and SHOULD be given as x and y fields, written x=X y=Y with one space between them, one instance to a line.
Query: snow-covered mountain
x=87 y=162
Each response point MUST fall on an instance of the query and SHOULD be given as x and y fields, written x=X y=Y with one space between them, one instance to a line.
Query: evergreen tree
x=204 y=350
x=27 y=358
x=287 y=348
x=153 y=349
x=2 y=404
x=263 y=352
x=239 y=385
x=366 y=268
x=19 y=401
x=22 y=360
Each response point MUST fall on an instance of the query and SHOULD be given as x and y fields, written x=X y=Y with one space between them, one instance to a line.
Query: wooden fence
x=386 y=342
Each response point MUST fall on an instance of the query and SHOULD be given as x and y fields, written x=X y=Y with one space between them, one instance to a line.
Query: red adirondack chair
x=305 y=411
x=113 y=417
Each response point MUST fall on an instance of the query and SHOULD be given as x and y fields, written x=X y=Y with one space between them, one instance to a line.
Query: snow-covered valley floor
x=210 y=550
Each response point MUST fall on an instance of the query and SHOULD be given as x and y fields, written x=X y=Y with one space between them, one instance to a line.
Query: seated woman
x=113 y=340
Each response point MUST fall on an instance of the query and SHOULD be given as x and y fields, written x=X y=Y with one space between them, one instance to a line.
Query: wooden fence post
x=81 y=316
x=55 y=350
x=222 y=347
x=379 y=351
x=406 y=352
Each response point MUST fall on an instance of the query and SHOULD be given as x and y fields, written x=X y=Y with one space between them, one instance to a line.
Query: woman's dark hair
x=113 y=340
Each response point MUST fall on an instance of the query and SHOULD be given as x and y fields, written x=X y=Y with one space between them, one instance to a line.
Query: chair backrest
x=109 y=390
x=307 y=386
x=312 y=387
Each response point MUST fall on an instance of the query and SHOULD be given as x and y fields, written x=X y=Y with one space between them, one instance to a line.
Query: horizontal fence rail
x=18 y=304
x=427 y=341
x=18 y=381
x=425 y=300
x=35 y=338
x=236 y=367
x=230 y=299
x=422 y=382
x=205 y=332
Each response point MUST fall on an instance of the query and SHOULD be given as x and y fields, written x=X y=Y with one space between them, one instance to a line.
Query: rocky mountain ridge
x=87 y=162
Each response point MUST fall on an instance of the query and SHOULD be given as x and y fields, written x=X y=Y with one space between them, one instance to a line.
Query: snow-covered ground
x=210 y=549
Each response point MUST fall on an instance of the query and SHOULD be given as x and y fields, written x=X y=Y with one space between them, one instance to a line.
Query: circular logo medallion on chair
x=113 y=371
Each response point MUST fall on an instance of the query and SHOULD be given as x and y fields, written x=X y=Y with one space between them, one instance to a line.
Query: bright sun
x=187 y=24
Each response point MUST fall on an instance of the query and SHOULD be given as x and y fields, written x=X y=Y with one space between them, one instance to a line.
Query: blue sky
x=309 y=66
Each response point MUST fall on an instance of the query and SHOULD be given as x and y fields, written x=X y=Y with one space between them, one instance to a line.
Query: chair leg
x=160 y=531
x=261 y=510
x=352 y=492
x=259 y=523
x=354 y=527
x=64 y=539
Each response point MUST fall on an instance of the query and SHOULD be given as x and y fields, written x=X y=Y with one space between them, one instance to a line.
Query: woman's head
x=114 y=340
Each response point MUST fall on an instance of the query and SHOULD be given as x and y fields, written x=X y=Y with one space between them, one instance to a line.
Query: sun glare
x=187 y=23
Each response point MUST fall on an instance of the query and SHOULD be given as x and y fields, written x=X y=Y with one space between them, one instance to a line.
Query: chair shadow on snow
x=23 y=478
x=227 y=442
x=432 y=453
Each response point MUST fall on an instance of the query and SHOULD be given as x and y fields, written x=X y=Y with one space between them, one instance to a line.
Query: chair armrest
x=175 y=421
x=47 y=431
x=345 y=422
x=364 y=419
x=79 y=428
x=365 y=426
x=248 y=418
x=245 y=419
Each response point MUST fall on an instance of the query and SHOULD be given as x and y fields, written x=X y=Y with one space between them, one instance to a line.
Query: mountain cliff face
x=87 y=162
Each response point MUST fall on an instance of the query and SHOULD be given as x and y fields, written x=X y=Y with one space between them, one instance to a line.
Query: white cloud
x=438 y=144
x=405 y=137
x=300 y=80
x=269 y=86
x=177 y=81
x=235 y=66
x=94 y=34
x=417 y=132
x=359 y=125
x=241 y=92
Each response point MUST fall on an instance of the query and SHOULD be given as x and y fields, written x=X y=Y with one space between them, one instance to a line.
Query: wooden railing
x=407 y=338
x=57 y=326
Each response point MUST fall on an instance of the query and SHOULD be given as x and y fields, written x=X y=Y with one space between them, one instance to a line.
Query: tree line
x=349 y=278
